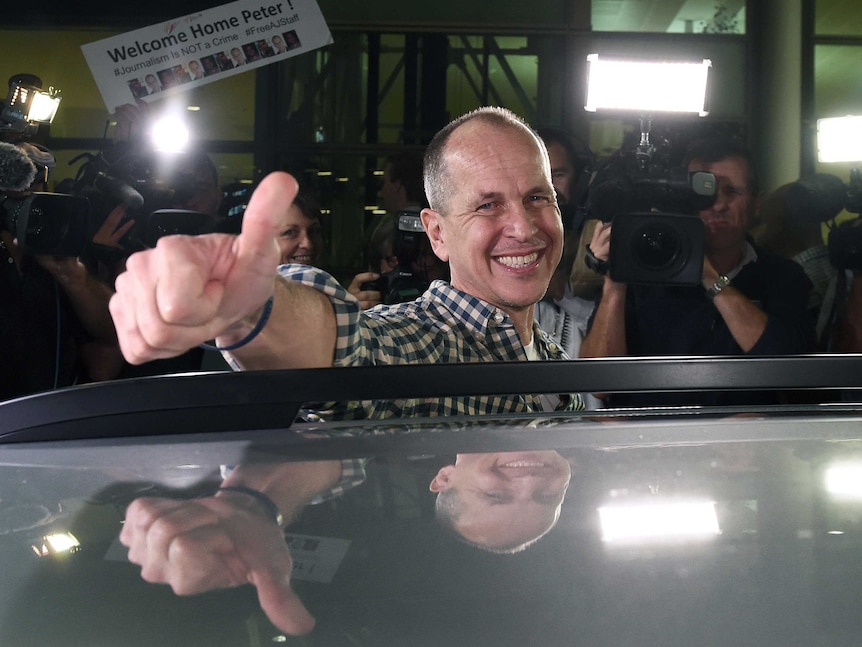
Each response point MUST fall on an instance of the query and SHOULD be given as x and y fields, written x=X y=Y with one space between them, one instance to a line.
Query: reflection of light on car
x=658 y=521
x=57 y=543
x=844 y=480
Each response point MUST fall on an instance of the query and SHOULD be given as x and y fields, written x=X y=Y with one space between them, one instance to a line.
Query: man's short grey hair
x=438 y=185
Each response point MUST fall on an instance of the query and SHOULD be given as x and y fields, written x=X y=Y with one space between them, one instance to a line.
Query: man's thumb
x=282 y=606
x=260 y=222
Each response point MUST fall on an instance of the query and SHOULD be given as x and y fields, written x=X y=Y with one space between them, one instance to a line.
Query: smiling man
x=751 y=302
x=493 y=216
x=502 y=502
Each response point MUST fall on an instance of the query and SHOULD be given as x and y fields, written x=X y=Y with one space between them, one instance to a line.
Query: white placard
x=315 y=558
x=173 y=56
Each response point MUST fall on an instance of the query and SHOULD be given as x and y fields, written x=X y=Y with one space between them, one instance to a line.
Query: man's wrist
x=260 y=501
x=716 y=288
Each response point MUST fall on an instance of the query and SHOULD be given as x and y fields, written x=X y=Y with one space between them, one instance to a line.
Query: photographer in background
x=54 y=319
x=750 y=302
x=401 y=190
x=562 y=314
x=185 y=181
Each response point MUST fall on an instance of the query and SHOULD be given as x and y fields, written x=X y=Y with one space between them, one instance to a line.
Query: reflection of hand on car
x=211 y=543
x=230 y=539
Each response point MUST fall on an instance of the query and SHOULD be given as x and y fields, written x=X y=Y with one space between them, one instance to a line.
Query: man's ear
x=442 y=481
x=432 y=222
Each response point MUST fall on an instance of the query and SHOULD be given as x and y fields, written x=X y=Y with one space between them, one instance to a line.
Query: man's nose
x=522 y=222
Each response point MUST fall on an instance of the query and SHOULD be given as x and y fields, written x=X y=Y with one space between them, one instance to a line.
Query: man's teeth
x=301 y=259
x=518 y=261
x=524 y=464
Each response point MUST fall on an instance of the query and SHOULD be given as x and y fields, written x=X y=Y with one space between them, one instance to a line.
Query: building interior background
x=396 y=72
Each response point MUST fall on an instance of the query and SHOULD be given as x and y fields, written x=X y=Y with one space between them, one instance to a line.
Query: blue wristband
x=264 y=317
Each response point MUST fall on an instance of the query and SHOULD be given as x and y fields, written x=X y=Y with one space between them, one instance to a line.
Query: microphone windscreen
x=17 y=172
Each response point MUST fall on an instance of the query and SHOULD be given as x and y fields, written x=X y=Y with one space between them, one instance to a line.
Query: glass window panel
x=669 y=16
x=488 y=70
x=837 y=92
x=838 y=18
x=396 y=13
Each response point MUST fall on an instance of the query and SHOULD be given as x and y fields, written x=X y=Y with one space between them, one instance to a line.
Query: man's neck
x=726 y=260
x=523 y=320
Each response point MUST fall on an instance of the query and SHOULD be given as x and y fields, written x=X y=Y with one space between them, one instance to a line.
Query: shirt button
x=498 y=317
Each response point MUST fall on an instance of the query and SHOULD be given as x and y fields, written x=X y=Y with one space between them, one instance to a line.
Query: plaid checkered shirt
x=444 y=325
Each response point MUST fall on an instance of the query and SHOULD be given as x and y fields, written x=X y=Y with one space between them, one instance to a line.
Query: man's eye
x=496 y=496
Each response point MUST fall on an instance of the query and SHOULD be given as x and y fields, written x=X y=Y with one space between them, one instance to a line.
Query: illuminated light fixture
x=844 y=480
x=379 y=212
x=839 y=139
x=324 y=173
x=342 y=179
x=27 y=106
x=169 y=134
x=370 y=207
x=658 y=522
x=647 y=87
x=378 y=172
x=33 y=105
x=43 y=107
x=57 y=543
x=193 y=108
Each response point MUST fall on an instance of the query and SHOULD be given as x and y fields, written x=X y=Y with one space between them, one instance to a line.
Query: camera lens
x=656 y=246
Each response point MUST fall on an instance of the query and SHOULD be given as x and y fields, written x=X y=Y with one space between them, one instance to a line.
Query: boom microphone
x=17 y=171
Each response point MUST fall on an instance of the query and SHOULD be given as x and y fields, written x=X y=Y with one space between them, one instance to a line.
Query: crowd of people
x=499 y=266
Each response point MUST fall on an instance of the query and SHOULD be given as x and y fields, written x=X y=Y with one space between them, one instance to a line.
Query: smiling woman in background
x=301 y=237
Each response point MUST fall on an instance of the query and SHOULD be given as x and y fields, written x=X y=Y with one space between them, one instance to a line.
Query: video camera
x=27 y=106
x=845 y=239
x=41 y=222
x=656 y=237
x=404 y=283
x=150 y=185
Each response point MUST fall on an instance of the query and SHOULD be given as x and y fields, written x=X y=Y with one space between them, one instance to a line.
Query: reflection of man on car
x=499 y=228
x=502 y=502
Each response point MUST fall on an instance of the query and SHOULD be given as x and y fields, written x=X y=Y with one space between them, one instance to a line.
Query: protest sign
x=203 y=47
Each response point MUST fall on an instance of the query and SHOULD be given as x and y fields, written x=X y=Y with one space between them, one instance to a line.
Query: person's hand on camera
x=68 y=270
x=111 y=230
x=212 y=543
x=367 y=298
x=600 y=244
x=190 y=289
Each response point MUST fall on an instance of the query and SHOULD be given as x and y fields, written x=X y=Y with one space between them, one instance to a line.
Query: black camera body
x=845 y=240
x=404 y=283
x=47 y=223
x=657 y=248
x=655 y=238
x=137 y=180
x=635 y=182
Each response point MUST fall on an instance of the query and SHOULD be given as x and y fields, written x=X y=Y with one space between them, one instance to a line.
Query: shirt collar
x=472 y=311
x=749 y=255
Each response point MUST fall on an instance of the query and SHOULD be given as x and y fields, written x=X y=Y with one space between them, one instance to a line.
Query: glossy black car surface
x=777 y=562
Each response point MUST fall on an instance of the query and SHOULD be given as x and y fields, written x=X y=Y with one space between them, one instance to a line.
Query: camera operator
x=750 y=302
x=188 y=183
x=54 y=318
x=401 y=190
